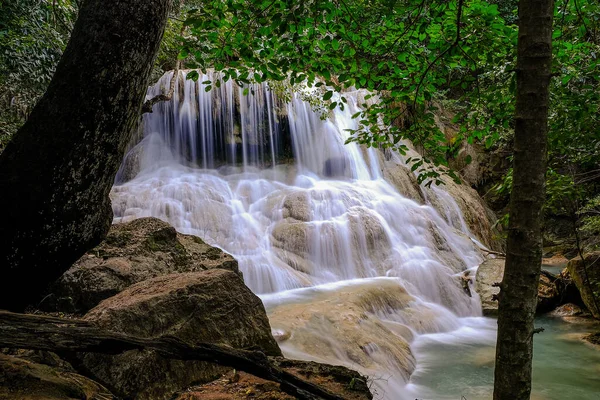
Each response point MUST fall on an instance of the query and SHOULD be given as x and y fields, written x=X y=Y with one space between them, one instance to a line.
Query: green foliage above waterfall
x=408 y=52
x=418 y=56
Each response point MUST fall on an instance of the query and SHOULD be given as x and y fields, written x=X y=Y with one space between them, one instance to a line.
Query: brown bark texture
x=519 y=287
x=56 y=173
x=35 y=332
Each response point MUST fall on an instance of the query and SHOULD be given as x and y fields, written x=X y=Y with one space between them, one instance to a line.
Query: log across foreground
x=35 y=332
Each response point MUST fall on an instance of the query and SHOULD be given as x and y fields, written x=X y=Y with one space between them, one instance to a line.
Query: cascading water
x=350 y=270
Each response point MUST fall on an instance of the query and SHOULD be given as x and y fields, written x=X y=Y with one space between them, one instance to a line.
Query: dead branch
x=147 y=107
x=26 y=331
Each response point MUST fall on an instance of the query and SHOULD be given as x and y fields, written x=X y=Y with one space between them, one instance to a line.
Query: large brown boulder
x=491 y=272
x=586 y=275
x=26 y=380
x=132 y=252
x=197 y=307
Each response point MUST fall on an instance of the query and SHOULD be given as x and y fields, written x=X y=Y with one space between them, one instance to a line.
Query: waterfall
x=351 y=269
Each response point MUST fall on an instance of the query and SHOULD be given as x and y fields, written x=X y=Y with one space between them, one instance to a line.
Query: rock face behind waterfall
x=471 y=213
x=209 y=306
x=132 y=252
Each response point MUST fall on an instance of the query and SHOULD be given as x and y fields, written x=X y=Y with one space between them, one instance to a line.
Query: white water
x=328 y=244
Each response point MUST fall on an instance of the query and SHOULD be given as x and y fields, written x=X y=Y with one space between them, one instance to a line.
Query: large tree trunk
x=518 y=294
x=56 y=173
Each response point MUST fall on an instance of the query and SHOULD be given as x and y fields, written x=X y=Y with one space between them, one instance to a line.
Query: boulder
x=586 y=275
x=491 y=271
x=356 y=326
x=132 y=252
x=26 y=380
x=549 y=294
x=567 y=310
x=211 y=306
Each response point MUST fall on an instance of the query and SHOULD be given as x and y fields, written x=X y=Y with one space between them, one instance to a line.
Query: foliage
x=407 y=51
x=33 y=34
x=590 y=221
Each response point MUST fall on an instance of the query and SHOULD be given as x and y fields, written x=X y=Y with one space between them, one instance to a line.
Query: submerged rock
x=26 y=380
x=132 y=252
x=345 y=326
x=586 y=275
x=491 y=272
x=197 y=307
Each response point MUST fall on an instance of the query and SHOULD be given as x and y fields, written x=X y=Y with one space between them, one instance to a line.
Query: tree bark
x=64 y=335
x=518 y=294
x=56 y=173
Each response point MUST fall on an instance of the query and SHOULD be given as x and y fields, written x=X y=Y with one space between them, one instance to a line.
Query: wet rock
x=586 y=275
x=26 y=380
x=398 y=174
x=132 y=252
x=567 y=310
x=346 y=383
x=211 y=306
x=593 y=338
x=491 y=272
x=297 y=206
x=477 y=216
x=344 y=327
x=130 y=167
x=549 y=295
x=369 y=243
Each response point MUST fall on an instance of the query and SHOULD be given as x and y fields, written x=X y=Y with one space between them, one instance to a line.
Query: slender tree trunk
x=56 y=173
x=518 y=294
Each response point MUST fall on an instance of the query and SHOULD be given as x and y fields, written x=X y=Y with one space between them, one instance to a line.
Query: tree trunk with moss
x=518 y=294
x=56 y=173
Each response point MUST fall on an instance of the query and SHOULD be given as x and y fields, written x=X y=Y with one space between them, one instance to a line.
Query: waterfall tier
x=272 y=182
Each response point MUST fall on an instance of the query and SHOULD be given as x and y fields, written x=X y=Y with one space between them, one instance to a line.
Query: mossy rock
x=132 y=252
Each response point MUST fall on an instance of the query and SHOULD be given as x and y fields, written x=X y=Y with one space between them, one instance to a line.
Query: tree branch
x=36 y=332
x=443 y=53
x=147 y=107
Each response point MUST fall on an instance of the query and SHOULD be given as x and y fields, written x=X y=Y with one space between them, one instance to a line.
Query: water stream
x=353 y=269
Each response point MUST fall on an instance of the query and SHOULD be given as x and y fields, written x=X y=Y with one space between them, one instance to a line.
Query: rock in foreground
x=348 y=384
x=211 y=306
x=132 y=252
x=25 y=380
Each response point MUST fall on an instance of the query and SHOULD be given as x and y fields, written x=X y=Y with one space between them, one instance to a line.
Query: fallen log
x=36 y=332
